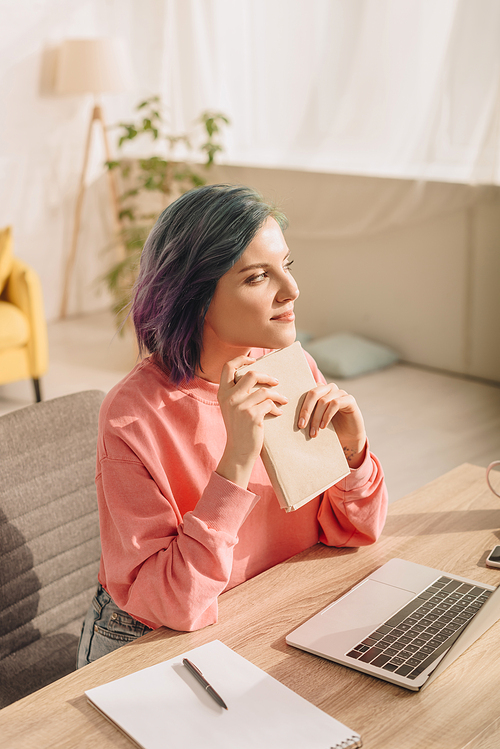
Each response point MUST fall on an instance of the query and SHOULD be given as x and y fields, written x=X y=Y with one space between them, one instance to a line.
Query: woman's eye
x=256 y=279
x=259 y=277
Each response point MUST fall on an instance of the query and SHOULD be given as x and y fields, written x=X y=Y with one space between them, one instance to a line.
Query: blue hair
x=195 y=241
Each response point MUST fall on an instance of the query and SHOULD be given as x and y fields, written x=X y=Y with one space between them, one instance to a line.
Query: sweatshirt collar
x=201 y=389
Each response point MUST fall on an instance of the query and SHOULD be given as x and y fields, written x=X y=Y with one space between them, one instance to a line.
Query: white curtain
x=404 y=88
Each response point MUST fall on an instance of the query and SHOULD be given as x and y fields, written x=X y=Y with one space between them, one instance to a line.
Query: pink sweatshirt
x=175 y=534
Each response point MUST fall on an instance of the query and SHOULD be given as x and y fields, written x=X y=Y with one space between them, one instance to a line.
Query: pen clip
x=195 y=668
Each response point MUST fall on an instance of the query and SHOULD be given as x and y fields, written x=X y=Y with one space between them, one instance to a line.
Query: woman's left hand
x=327 y=403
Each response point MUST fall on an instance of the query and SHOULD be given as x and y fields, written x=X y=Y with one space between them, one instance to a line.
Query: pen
x=198 y=675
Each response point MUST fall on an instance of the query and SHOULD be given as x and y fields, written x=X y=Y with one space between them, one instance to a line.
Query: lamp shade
x=92 y=66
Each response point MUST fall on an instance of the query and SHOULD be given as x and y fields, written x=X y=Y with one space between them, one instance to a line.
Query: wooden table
x=449 y=524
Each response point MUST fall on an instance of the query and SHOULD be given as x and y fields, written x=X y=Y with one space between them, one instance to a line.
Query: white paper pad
x=164 y=706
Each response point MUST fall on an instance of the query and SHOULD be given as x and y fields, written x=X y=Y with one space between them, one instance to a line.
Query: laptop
x=405 y=623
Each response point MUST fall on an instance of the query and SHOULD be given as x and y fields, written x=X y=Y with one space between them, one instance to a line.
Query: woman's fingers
x=244 y=404
x=315 y=404
x=327 y=403
x=251 y=389
x=264 y=405
x=248 y=381
x=257 y=396
x=230 y=367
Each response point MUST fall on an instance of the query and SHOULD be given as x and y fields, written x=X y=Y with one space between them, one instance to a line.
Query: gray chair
x=49 y=538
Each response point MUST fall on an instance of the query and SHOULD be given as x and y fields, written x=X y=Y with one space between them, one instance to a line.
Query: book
x=299 y=467
x=165 y=706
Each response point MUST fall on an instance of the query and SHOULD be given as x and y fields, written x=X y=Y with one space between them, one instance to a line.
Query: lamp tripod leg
x=120 y=250
x=76 y=225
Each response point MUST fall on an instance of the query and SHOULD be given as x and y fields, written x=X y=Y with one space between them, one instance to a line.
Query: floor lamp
x=91 y=66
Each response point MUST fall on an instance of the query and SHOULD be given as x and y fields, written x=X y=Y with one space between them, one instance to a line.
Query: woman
x=186 y=507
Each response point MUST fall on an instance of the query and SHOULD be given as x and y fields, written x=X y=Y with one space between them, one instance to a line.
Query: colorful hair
x=195 y=241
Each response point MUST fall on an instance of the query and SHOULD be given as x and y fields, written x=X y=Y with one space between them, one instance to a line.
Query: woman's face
x=253 y=302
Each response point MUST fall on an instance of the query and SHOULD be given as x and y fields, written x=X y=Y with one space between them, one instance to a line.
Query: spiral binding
x=353 y=742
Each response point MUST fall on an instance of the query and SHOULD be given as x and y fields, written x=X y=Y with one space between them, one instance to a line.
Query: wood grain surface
x=450 y=524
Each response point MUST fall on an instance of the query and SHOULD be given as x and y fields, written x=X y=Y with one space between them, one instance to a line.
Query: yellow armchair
x=23 y=329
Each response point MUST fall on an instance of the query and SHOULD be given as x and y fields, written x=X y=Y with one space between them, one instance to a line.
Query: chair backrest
x=49 y=530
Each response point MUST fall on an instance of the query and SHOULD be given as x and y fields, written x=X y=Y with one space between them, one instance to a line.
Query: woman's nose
x=289 y=291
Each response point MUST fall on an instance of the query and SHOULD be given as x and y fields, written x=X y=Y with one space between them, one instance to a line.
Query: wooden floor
x=423 y=423
x=420 y=423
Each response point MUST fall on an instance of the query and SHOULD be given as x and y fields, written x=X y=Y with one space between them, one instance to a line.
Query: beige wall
x=415 y=265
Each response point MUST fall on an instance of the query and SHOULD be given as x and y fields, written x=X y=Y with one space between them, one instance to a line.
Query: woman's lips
x=285 y=317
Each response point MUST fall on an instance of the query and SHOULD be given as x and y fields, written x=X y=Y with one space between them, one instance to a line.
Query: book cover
x=299 y=467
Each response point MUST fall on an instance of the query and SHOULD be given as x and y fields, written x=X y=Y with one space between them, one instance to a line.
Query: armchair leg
x=38 y=392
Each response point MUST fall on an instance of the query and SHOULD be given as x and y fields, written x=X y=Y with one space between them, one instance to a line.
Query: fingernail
x=313 y=432
x=302 y=423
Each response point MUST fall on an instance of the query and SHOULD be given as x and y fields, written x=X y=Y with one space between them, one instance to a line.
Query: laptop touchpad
x=369 y=604
x=347 y=621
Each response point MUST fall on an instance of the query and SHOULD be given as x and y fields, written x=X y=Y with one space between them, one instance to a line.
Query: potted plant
x=148 y=185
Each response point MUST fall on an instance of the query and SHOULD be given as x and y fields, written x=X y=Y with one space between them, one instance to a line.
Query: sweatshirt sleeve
x=161 y=568
x=353 y=511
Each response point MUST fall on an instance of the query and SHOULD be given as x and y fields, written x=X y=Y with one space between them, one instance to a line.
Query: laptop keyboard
x=421 y=631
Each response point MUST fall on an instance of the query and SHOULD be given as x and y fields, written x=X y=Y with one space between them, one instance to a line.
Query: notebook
x=165 y=706
x=405 y=623
x=299 y=468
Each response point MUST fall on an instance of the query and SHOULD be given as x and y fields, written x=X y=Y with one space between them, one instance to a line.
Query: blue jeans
x=106 y=628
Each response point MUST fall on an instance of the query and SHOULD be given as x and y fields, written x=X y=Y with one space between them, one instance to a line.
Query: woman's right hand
x=244 y=405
